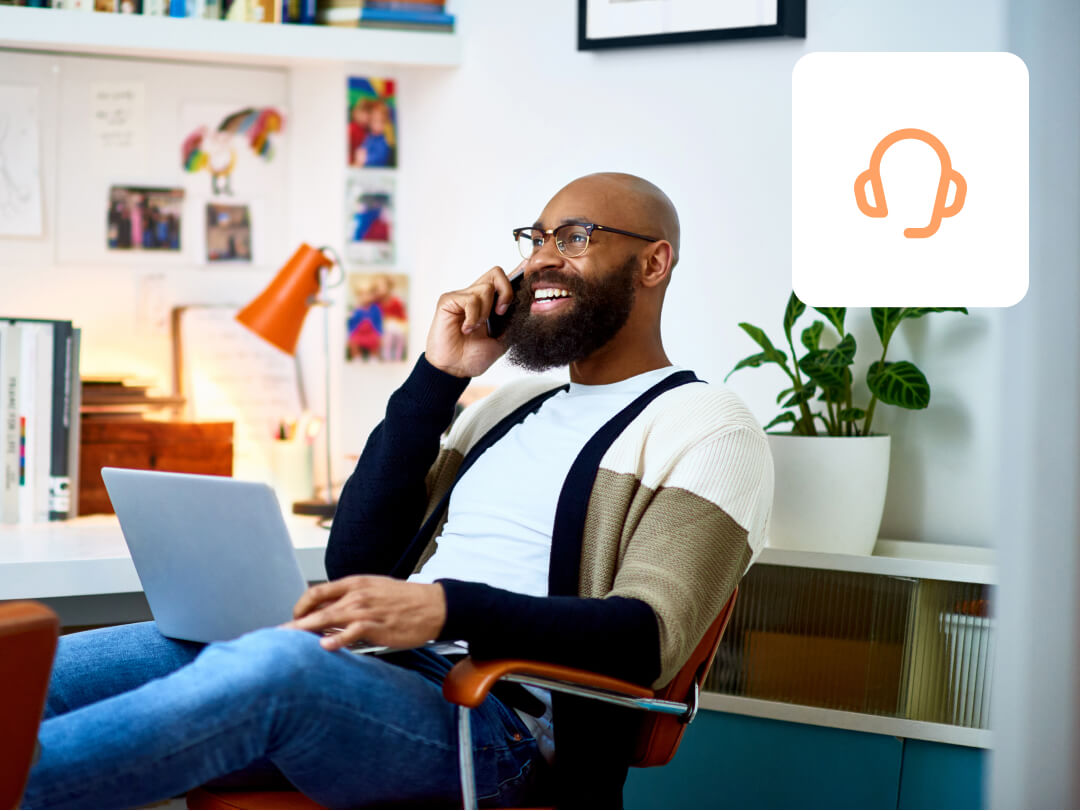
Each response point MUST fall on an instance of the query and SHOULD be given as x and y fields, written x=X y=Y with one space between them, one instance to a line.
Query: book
x=27 y=420
x=75 y=435
x=9 y=423
x=42 y=381
x=406 y=5
x=43 y=410
x=445 y=29
x=379 y=15
x=59 y=471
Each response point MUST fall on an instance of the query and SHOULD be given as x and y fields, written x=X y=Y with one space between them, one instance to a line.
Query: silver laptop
x=213 y=554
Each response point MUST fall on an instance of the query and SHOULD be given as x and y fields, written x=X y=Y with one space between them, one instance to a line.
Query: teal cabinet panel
x=737 y=761
x=937 y=775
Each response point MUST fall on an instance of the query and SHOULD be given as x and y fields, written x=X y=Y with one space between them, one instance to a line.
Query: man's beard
x=598 y=310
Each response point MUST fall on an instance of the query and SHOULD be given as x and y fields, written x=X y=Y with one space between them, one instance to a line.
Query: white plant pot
x=830 y=492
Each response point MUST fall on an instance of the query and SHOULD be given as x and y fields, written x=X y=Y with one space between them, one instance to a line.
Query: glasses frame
x=589 y=228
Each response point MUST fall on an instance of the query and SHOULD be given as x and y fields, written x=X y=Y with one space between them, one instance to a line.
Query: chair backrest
x=660 y=734
x=28 y=633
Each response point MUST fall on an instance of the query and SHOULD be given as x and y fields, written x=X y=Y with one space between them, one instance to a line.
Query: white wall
x=484 y=147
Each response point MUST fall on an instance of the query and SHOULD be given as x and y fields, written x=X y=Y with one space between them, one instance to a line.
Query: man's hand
x=458 y=342
x=379 y=610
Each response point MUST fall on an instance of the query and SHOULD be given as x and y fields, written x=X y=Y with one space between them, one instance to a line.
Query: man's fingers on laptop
x=353 y=632
x=324 y=593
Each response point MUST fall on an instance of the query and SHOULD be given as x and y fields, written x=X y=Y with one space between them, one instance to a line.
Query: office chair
x=671 y=708
x=28 y=633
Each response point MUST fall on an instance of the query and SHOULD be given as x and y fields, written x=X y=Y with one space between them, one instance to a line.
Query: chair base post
x=465 y=759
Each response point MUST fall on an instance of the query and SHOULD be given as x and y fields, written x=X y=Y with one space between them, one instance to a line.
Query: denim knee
x=274 y=661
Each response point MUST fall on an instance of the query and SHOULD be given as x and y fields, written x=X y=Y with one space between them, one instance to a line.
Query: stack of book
x=120 y=398
x=39 y=429
x=414 y=15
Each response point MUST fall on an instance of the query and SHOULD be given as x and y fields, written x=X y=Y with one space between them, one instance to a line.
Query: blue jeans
x=133 y=718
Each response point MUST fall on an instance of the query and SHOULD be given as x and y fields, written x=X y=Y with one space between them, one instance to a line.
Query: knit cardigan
x=677 y=512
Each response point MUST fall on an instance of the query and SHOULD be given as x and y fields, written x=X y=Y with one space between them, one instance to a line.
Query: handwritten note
x=118 y=123
x=229 y=373
x=20 y=162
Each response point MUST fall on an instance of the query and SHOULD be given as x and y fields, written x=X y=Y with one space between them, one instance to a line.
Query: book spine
x=405 y=5
x=27 y=427
x=9 y=450
x=3 y=414
x=388 y=16
x=307 y=12
x=59 y=477
x=43 y=421
x=75 y=420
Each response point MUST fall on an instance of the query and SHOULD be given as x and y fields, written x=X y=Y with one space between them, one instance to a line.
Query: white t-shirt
x=502 y=511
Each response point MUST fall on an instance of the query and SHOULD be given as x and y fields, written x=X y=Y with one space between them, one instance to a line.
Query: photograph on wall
x=144 y=219
x=228 y=233
x=369 y=218
x=234 y=146
x=371 y=117
x=377 y=325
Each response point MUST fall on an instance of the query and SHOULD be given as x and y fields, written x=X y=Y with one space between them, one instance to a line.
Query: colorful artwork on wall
x=377 y=325
x=371 y=123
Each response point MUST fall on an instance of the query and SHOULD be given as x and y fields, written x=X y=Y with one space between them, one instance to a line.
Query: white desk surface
x=86 y=556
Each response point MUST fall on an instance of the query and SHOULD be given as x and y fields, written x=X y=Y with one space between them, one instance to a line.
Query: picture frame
x=606 y=24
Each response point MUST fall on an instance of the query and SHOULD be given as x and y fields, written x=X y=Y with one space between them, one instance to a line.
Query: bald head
x=626 y=201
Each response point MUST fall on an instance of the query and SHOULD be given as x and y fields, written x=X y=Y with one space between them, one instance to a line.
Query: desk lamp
x=277 y=315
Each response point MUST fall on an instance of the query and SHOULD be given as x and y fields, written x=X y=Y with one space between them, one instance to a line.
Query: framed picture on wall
x=629 y=23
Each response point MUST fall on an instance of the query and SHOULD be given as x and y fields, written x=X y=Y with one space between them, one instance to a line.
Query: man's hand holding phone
x=458 y=342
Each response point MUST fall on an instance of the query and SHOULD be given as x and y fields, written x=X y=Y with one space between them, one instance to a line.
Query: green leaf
x=782 y=418
x=851 y=414
x=801 y=396
x=811 y=336
x=794 y=309
x=828 y=367
x=772 y=354
x=919 y=312
x=753 y=362
x=899 y=383
x=835 y=393
x=835 y=316
x=784 y=394
x=886 y=320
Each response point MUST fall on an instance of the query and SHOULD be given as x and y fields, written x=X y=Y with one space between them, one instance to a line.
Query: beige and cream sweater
x=678 y=511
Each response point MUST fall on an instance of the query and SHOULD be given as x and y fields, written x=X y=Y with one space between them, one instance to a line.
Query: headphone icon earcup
x=878 y=207
x=961 y=192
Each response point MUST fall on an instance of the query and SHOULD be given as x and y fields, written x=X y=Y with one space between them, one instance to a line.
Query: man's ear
x=658 y=261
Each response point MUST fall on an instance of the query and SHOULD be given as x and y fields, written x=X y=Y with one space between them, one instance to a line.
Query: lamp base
x=317 y=507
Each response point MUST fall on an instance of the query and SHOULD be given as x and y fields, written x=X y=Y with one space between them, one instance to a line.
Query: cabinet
x=177 y=447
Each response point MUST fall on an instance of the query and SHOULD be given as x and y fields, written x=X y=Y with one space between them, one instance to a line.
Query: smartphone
x=496 y=324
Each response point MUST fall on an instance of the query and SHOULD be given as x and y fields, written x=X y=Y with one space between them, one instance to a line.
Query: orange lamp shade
x=277 y=313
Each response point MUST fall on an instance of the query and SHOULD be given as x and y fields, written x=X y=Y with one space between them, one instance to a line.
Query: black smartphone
x=496 y=324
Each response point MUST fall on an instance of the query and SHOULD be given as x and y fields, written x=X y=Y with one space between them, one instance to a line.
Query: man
x=601 y=525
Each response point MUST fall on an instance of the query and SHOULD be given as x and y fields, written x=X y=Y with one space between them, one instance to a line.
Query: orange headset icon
x=948 y=175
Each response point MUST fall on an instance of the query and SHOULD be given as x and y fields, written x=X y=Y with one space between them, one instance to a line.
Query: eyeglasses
x=571 y=239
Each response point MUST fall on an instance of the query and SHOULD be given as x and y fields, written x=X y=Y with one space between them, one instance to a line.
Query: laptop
x=213 y=554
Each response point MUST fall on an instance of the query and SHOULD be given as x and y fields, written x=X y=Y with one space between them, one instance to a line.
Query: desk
x=81 y=568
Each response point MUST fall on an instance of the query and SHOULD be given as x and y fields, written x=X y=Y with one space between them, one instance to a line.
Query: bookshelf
x=218 y=41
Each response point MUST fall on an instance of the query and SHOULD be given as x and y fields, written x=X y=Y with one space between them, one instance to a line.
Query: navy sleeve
x=615 y=636
x=382 y=504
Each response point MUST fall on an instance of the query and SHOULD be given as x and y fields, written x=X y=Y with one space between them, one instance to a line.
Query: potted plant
x=831 y=469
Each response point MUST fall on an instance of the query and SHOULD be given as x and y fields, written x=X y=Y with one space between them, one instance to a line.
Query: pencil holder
x=291 y=463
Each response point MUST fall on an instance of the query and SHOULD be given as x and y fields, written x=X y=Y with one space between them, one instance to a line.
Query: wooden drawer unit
x=178 y=447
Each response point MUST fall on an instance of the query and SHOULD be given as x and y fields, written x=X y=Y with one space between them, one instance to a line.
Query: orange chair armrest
x=469 y=682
